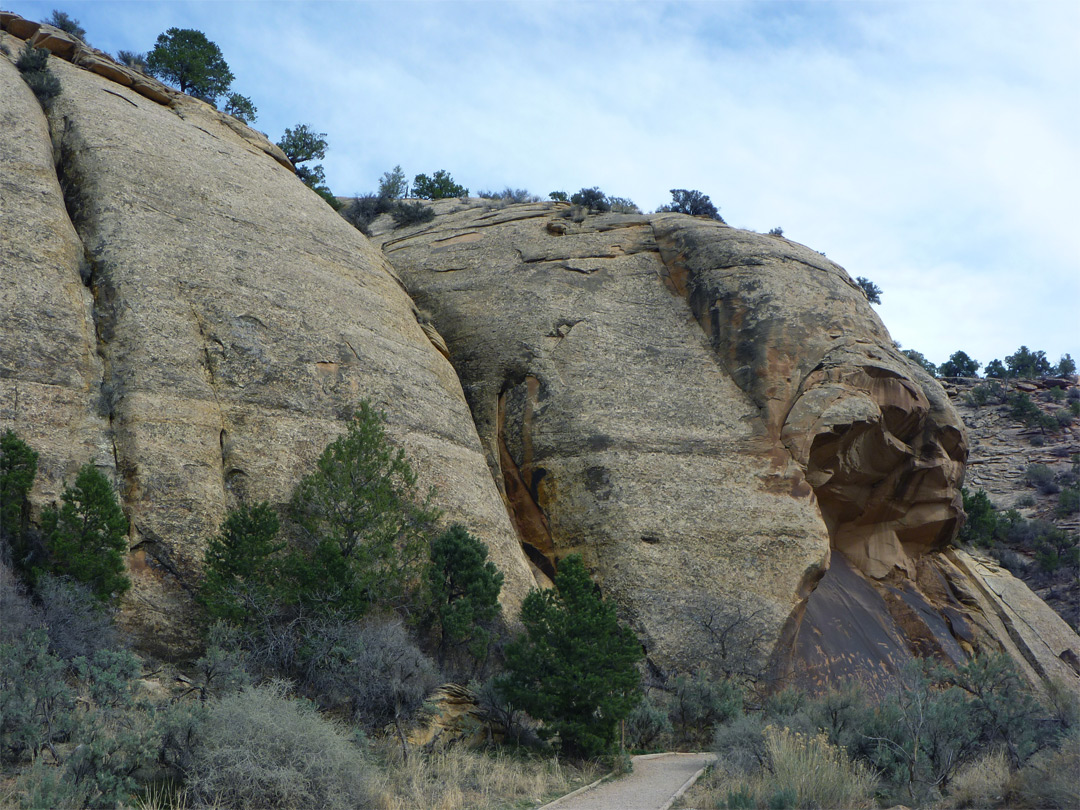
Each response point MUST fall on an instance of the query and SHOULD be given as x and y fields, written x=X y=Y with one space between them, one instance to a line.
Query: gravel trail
x=653 y=784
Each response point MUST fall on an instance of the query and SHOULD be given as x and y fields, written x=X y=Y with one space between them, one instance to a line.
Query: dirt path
x=655 y=782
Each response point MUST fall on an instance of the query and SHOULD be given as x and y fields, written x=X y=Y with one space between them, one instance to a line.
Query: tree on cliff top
x=692 y=202
x=67 y=23
x=186 y=58
x=302 y=144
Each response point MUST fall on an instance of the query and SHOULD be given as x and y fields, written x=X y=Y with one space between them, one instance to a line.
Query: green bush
x=414 y=213
x=242 y=562
x=699 y=702
x=87 y=536
x=691 y=202
x=258 y=749
x=18 y=467
x=1041 y=477
x=33 y=64
x=373 y=668
x=437 y=187
x=647 y=725
x=510 y=195
x=591 y=198
x=1068 y=501
x=575 y=667
x=363 y=210
x=79 y=623
x=1022 y=409
x=36 y=703
x=981 y=526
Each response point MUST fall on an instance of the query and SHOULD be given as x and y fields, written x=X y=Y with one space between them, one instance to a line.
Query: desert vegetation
x=328 y=624
x=971 y=736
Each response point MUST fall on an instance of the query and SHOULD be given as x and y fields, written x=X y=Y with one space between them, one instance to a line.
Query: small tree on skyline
x=439 y=186
x=871 y=290
x=691 y=202
x=959 y=364
x=186 y=58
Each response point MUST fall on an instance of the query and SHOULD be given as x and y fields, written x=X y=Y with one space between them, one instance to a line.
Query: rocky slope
x=1003 y=450
x=716 y=419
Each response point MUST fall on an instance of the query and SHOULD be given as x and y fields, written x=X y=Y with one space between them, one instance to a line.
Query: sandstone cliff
x=203 y=330
x=715 y=418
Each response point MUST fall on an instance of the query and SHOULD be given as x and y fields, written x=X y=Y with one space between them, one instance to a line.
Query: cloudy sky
x=933 y=147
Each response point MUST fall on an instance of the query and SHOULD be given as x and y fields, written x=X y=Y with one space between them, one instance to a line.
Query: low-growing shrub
x=259 y=749
x=981 y=783
x=510 y=195
x=1050 y=780
x=699 y=702
x=647 y=725
x=1068 y=501
x=414 y=213
x=1041 y=477
x=363 y=210
x=79 y=624
x=33 y=64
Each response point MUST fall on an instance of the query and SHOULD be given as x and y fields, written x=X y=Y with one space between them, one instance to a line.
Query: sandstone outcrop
x=610 y=422
x=207 y=326
x=716 y=419
x=713 y=417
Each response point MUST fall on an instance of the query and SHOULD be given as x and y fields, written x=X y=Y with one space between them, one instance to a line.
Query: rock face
x=203 y=331
x=715 y=419
x=610 y=422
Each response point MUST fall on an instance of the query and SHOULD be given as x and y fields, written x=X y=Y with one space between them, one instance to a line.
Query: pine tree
x=241 y=560
x=87 y=536
x=464 y=588
x=18 y=466
x=363 y=524
x=575 y=665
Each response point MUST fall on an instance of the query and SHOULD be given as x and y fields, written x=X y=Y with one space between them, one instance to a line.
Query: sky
x=932 y=147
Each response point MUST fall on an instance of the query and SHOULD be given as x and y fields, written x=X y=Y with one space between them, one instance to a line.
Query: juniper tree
x=186 y=58
x=18 y=466
x=241 y=561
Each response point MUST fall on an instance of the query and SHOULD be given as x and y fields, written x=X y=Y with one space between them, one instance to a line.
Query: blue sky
x=933 y=147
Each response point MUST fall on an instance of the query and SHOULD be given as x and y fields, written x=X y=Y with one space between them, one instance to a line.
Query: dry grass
x=803 y=771
x=456 y=778
x=981 y=783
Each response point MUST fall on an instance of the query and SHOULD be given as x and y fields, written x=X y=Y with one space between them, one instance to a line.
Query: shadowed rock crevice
x=522 y=479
